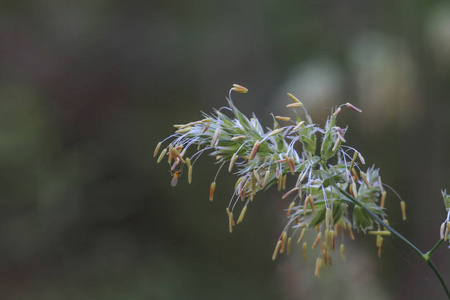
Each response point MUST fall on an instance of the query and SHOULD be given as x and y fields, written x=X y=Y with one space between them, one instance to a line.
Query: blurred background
x=88 y=88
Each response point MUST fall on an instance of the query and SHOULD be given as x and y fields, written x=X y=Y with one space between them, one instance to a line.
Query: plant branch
x=425 y=256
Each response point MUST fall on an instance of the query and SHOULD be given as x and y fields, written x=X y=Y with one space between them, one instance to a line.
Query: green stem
x=428 y=254
x=425 y=256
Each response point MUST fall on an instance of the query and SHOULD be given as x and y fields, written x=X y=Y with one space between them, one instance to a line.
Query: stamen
x=403 y=207
x=288 y=246
x=289 y=192
x=336 y=145
x=383 y=198
x=292 y=105
x=364 y=178
x=254 y=150
x=298 y=125
x=239 y=88
x=238 y=137
x=266 y=178
x=351 y=106
x=215 y=138
x=361 y=158
x=161 y=155
x=318 y=238
x=230 y=222
x=277 y=248
x=305 y=248
x=282 y=118
x=380 y=232
x=301 y=235
x=318 y=267
x=337 y=111
x=190 y=174
x=156 y=149
x=293 y=98
x=291 y=206
x=205 y=128
x=276 y=131
x=232 y=161
x=241 y=216
x=343 y=252
x=211 y=191
x=283 y=241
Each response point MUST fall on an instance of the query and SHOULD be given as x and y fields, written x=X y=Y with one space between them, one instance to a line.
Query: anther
x=156 y=149
x=403 y=207
x=301 y=235
x=254 y=150
x=276 y=131
x=161 y=155
x=351 y=106
x=293 y=98
x=282 y=118
x=239 y=88
x=288 y=246
x=383 y=198
x=293 y=105
x=343 y=252
x=289 y=192
x=318 y=267
x=291 y=206
x=304 y=248
x=283 y=241
x=318 y=238
x=211 y=191
x=242 y=214
x=277 y=248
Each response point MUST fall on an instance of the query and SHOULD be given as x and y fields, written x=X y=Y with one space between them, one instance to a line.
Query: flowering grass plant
x=334 y=193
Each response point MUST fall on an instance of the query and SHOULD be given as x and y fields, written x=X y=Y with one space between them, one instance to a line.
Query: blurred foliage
x=88 y=89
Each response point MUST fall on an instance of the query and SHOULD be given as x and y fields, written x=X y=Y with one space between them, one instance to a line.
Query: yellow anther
x=282 y=118
x=343 y=252
x=301 y=235
x=283 y=241
x=293 y=98
x=319 y=263
x=254 y=150
x=403 y=207
x=275 y=252
x=156 y=149
x=241 y=216
x=239 y=88
x=211 y=191
x=161 y=155
x=383 y=198
x=292 y=105
x=305 y=248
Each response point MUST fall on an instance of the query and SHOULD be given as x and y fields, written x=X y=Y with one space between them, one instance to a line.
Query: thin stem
x=426 y=256
x=433 y=267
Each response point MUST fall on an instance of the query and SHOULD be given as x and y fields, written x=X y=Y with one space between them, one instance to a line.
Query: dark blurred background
x=88 y=88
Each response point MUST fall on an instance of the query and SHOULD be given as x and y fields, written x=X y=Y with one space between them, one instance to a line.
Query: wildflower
x=264 y=158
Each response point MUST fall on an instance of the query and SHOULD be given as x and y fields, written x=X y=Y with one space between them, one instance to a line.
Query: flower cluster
x=321 y=165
